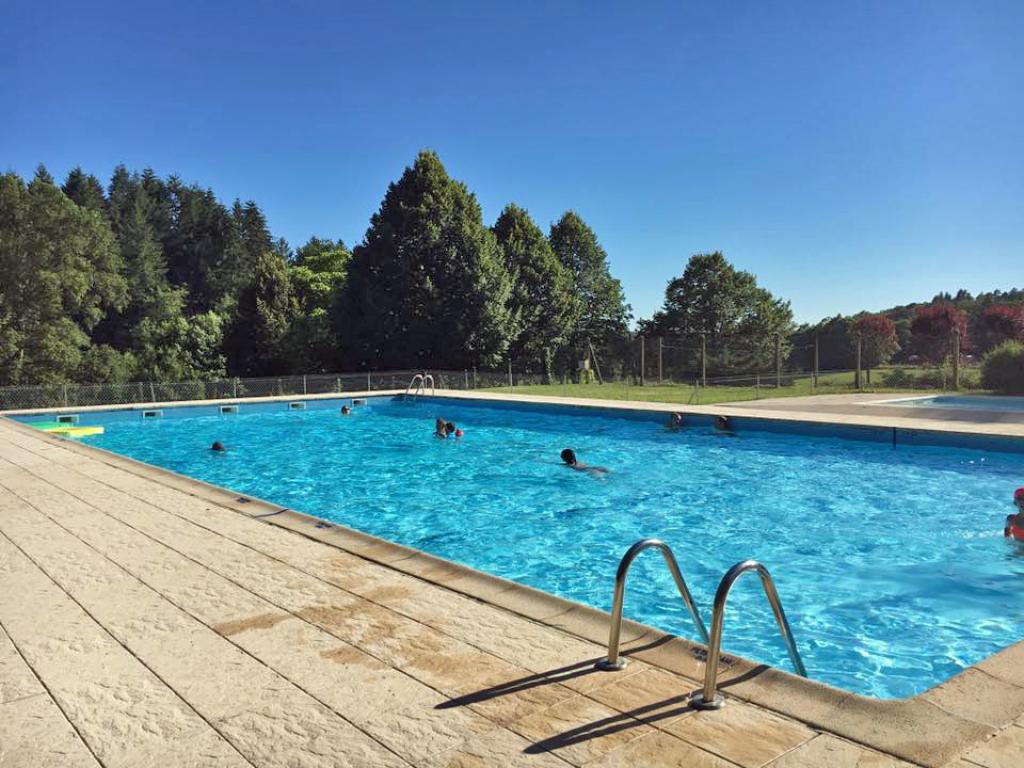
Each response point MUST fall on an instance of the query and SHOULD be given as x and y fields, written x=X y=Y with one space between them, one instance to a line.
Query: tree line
x=151 y=278
x=155 y=279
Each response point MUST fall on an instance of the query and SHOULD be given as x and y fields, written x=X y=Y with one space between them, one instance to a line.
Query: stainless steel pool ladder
x=420 y=381
x=613 y=662
x=708 y=697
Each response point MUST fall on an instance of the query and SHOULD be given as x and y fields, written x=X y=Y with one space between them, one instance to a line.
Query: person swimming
x=675 y=421
x=722 y=423
x=218 y=447
x=440 y=428
x=345 y=410
x=1015 y=522
x=569 y=457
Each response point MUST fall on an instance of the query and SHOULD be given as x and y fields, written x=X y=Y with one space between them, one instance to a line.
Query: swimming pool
x=968 y=402
x=889 y=558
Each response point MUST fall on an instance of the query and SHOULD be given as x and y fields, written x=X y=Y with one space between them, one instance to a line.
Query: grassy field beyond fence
x=914 y=381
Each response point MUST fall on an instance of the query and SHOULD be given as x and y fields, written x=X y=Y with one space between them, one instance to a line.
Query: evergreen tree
x=255 y=343
x=542 y=306
x=426 y=287
x=201 y=248
x=85 y=190
x=604 y=313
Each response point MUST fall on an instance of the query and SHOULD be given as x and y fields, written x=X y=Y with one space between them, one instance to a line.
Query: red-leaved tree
x=878 y=342
x=931 y=331
x=999 y=323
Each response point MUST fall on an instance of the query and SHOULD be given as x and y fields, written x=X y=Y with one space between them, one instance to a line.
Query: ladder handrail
x=417 y=380
x=709 y=697
x=613 y=662
x=420 y=381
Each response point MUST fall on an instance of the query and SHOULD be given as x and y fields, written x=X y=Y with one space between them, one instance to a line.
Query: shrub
x=1002 y=369
x=897 y=378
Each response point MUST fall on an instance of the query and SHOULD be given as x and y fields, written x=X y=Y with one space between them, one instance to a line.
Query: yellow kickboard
x=70 y=430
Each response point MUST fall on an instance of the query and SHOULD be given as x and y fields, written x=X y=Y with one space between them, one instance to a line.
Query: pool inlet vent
x=297 y=406
x=67 y=418
x=153 y=414
x=229 y=409
x=359 y=401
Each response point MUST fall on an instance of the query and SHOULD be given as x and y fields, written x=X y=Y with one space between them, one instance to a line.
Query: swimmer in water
x=440 y=428
x=345 y=410
x=1015 y=522
x=722 y=423
x=675 y=422
x=569 y=457
x=218 y=447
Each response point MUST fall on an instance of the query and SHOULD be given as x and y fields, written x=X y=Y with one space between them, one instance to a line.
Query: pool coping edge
x=921 y=729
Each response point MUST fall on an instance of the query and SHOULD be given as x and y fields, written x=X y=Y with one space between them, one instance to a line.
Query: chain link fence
x=692 y=375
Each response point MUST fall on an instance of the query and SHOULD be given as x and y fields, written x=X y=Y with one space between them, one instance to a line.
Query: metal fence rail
x=621 y=384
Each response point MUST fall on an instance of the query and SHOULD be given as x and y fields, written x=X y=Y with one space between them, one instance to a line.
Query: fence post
x=815 y=362
x=661 y=347
x=778 y=361
x=757 y=386
x=466 y=374
x=856 y=377
x=510 y=373
x=65 y=394
x=643 y=360
x=956 y=358
x=704 y=358
x=152 y=394
x=475 y=385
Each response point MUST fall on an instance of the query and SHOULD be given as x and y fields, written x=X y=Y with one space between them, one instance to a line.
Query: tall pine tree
x=426 y=287
x=542 y=305
x=604 y=315
x=255 y=342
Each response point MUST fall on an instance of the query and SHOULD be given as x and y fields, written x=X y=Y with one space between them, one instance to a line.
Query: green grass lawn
x=832 y=383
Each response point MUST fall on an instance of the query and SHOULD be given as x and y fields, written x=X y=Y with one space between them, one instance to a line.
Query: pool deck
x=149 y=619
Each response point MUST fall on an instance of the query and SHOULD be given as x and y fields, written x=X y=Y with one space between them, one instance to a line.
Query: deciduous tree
x=998 y=323
x=878 y=342
x=932 y=331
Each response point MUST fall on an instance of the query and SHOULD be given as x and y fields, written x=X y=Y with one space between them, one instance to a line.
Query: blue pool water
x=968 y=402
x=889 y=559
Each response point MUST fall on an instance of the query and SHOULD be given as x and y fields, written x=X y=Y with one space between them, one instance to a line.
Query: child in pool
x=569 y=457
x=1015 y=523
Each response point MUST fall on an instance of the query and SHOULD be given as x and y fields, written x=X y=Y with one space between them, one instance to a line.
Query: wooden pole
x=856 y=377
x=956 y=358
x=778 y=361
x=703 y=358
x=816 y=362
x=661 y=347
x=597 y=366
x=643 y=360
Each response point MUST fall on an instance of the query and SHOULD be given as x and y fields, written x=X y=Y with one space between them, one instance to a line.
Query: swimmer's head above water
x=218 y=447
x=569 y=456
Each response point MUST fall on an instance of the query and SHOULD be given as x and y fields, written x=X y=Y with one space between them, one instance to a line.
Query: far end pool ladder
x=418 y=385
x=708 y=697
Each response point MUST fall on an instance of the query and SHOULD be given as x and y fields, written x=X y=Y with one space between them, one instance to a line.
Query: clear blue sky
x=852 y=155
